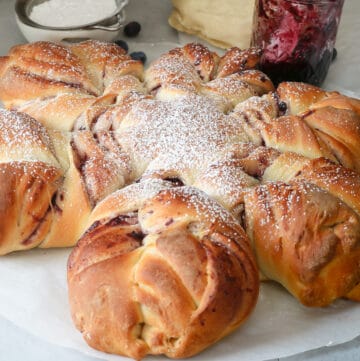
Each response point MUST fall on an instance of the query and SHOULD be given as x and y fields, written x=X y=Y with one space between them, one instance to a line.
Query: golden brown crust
x=42 y=71
x=291 y=134
x=26 y=211
x=235 y=60
x=339 y=129
x=172 y=70
x=30 y=175
x=194 y=69
x=338 y=101
x=137 y=260
x=105 y=62
x=238 y=87
x=51 y=180
x=299 y=96
x=50 y=111
x=230 y=80
x=304 y=119
x=335 y=179
x=354 y=294
x=204 y=60
x=306 y=239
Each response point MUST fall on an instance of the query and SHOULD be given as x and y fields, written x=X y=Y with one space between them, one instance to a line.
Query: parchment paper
x=33 y=291
x=34 y=296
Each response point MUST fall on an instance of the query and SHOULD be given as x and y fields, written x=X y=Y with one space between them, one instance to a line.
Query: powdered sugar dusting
x=174 y=70
x=190 y=131
x=226 y=182
x=133 y=196
x=180 y=129
x=204 y=206
x=23 y=138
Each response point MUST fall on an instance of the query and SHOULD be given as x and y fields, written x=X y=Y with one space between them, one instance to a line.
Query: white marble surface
x=15 y=343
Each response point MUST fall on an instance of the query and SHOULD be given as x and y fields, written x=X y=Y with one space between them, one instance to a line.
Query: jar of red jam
x=297 y=38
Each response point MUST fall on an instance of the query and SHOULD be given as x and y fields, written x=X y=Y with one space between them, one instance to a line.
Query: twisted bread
x=43 y=79
x=178 y=139
x=59 y=78
x=333 y=118
x=287 y=170
x=328 y=128
x=50 y=181
x=92 y=86
x=160 y=271
x=304 y=225
x=28 y=183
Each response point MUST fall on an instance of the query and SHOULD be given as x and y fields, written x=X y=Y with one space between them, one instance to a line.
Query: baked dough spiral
x=160 y=271
x=134 y=163
x=50 y=181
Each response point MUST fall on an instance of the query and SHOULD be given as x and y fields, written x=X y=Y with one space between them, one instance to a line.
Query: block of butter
x=222 y=23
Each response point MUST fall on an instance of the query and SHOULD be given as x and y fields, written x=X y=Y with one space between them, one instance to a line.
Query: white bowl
x=106 y=29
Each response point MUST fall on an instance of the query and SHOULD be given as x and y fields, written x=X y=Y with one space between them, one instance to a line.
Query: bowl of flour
x=70 y=20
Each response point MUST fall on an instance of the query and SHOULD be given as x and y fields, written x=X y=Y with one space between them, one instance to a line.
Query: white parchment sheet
x=34 y=296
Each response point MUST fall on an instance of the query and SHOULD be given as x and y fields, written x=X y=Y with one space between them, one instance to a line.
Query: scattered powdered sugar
x=280 y=203
x=190 y=131
x=133 y=196
x=146 y=189
x=231 y=85
x=303 y=216
x=204 y=206
x=174 y=70
x=21 y=137
x=226 y=182
x=297 y=89
x=188 y=138
x=340 y=181
x=236 y=60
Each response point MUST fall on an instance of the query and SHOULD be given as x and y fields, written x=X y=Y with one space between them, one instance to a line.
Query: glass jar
x=297 y=38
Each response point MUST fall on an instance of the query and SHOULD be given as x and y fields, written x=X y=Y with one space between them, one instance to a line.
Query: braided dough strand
x=170 y=272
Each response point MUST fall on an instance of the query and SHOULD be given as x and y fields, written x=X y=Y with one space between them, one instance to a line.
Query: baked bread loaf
x=160 y=270
x=119 y=160
x=313 y=123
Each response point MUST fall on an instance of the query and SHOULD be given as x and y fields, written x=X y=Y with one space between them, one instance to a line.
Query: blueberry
x=282 y=107
x=123 y=44
x=138 y=55
x=132 y=29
